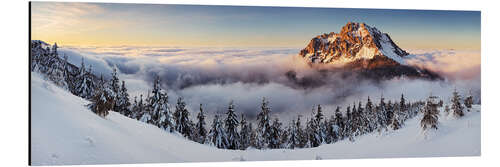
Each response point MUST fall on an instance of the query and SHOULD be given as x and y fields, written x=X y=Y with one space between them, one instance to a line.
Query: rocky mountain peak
x=356 y=41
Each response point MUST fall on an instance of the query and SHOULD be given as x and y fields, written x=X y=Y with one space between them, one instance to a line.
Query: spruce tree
x=114 y=85
x=319 y=128
x=101 y=102
x=86 y=85
x=144 y=114
x=293 y=140
x=371 y=115
x=166 y=121
x=231 y=126
x=182 y=122
x=123 y=104
x=245 y=133
x=201 y=132
x=217 y=135
x=431 y=114
x=275 y=138
x=339 y=126
x=253 y=136
x=157 y=104
x=134 y=109
x=468 y=102
x=456 y=105
x=263 y=125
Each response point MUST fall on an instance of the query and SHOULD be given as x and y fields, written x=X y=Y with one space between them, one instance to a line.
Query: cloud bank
x=215 y=76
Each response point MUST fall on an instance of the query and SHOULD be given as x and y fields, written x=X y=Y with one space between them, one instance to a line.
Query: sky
x=112 y=24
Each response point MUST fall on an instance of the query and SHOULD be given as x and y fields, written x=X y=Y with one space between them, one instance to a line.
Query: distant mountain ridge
x=361 y=47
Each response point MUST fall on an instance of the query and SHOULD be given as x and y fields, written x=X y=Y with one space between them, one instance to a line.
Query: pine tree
x=101 y=102
x=468 y=102
x=339 y=126
x=447 y=109
x=456 y=106
x=114 y=85
x=231 y=126
x=371 y=115
x=200 y=127
x=293 y=140
x=275 y=135
x=395 y=121
x=310 y=132
x=382 y=115
x=284 y=137
x=245 y=133
x=144 y=113
x=123 y=104
x=319 y=128
x=166 y=121
x=182 y=121
x=135 y=109
x=217 y=135
x=86 y=85
x=431 y=114
x=263 y=127
x=348 y=124
x=157 y=104
x=253 y=136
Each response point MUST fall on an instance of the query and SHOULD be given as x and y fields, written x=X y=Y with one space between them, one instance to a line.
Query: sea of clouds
x=215 y=76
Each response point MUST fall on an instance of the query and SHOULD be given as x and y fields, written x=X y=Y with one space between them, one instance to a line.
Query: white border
x=14 y=82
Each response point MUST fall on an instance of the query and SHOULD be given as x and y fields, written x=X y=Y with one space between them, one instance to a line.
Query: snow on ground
x=63 y=131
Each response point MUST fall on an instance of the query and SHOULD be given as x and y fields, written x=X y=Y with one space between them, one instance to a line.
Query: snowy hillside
x=65 y=132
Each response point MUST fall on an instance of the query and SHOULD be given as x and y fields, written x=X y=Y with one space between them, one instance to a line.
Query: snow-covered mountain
x=362 y=47
x=64 y=132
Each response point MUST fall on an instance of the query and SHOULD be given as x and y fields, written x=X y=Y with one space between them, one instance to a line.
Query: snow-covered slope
x=65 y=132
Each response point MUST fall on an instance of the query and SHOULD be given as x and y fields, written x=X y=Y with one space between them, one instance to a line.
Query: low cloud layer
x=215 y=76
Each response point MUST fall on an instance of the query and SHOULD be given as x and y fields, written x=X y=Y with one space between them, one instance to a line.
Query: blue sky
x=188 y=25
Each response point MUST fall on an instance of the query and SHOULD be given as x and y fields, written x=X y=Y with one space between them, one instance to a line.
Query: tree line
x=228 y=130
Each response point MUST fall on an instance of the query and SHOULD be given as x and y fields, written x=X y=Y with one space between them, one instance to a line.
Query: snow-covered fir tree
x=85 y=84
x=284 y=136
x=201 y=132
x=123 y=103
x=217 y=134
x=101 y=102
x=468 y=102
x=253 y=135
x=456 y=105
x=134 y=109
x=338 y=129
x=319 y=128
x=114 y=85
x=296 y=137
x=431 y=114
x=245 y=133
x=275 y=135
x=182 y=122
x=166 y=116
x=231 y=126
x=371 y=115
x=143 y=114
x=263 y=125
x=156 y=103
x=310 y=134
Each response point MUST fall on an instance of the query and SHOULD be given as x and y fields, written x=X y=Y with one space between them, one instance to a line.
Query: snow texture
x=64 y=132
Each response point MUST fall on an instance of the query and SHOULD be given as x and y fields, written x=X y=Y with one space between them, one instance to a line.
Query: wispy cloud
x=60 y=17
x=452 y=63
